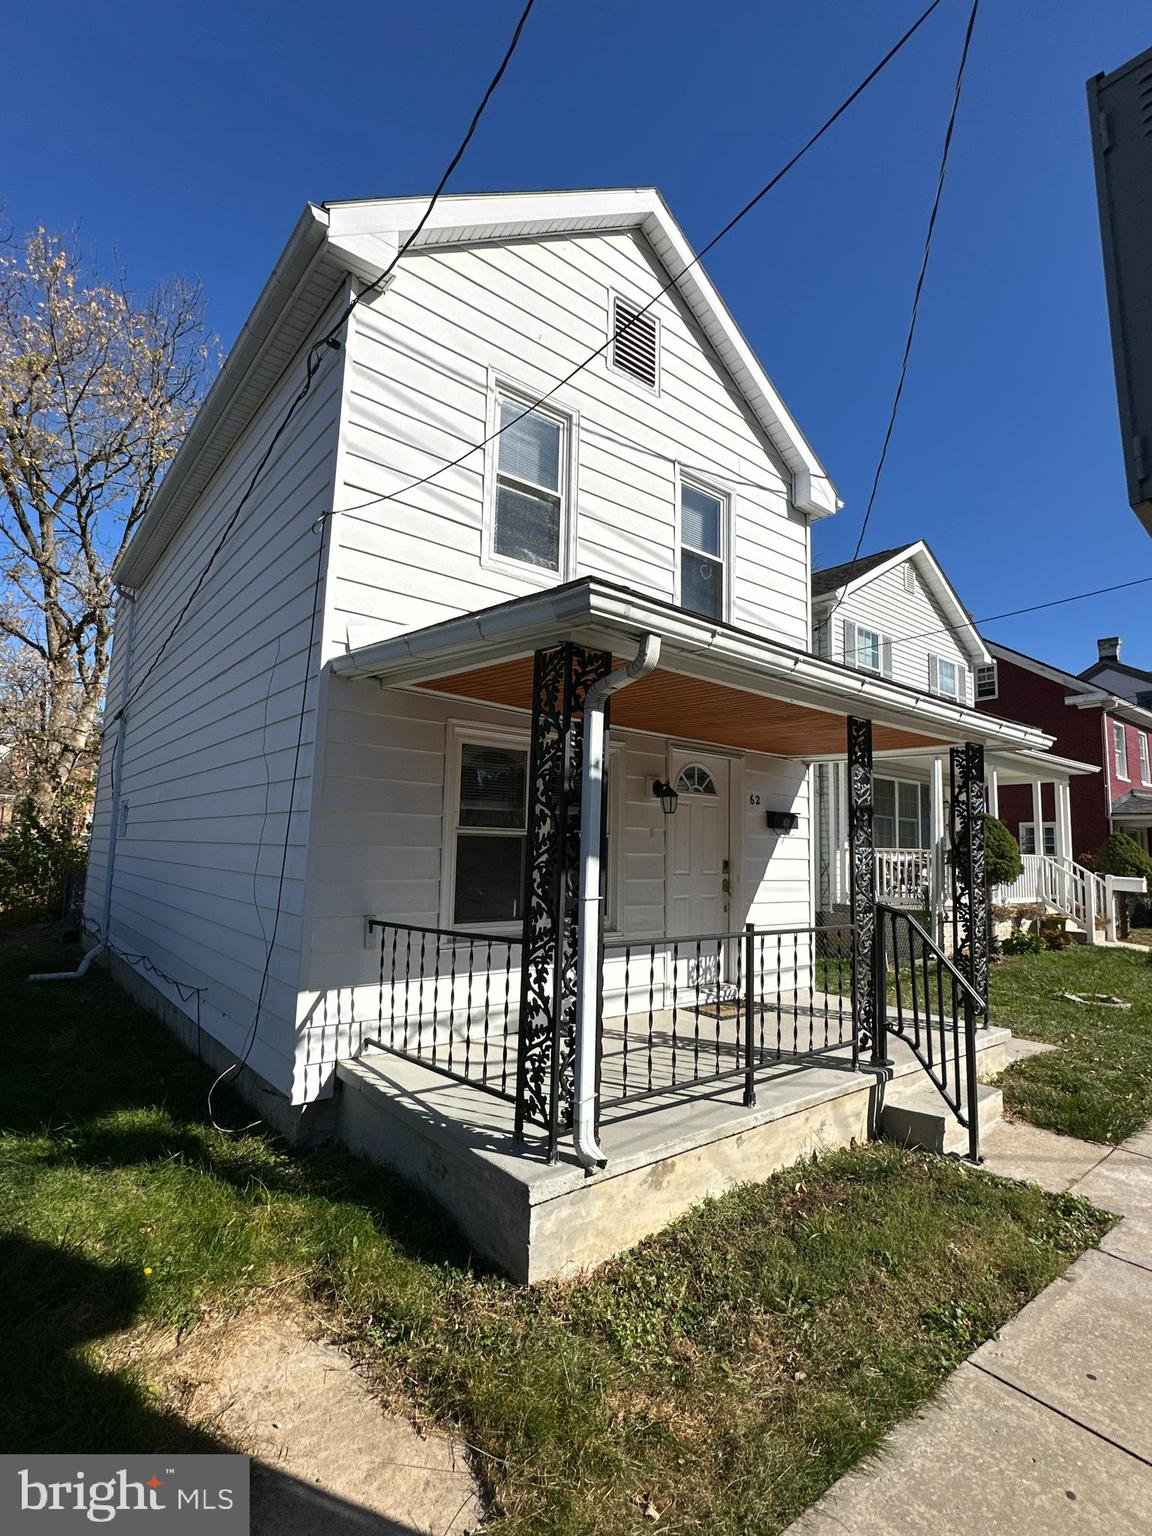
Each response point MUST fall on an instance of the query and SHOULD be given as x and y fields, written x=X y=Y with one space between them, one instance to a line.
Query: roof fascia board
x=702 y=649
x=1112 y=704
x=1041 y=668
x=297 y=262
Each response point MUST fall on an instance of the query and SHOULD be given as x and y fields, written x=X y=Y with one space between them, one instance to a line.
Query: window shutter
x=849 y=642
x=934 y=674
x=635 y=342
x=886 y=657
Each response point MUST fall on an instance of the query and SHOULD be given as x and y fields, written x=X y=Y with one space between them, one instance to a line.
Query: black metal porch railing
x=926 y=1000
x=447 y=1000
x=702 y=1008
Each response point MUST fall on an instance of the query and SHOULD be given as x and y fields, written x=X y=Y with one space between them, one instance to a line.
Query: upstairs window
x=867 y=649
x=532 y=452
x=1119 y=750
x=1145 y=766
x=987 y=682
x=945 y=678
x=703 y=516
x=635 y=346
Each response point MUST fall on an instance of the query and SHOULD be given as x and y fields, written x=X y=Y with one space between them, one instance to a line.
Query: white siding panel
x=211 y=736
x=913 y=620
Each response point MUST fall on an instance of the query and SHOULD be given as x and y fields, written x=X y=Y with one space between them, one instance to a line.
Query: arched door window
x=695 y=780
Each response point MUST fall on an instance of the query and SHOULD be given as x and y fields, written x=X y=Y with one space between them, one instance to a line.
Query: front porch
x=507 y=1064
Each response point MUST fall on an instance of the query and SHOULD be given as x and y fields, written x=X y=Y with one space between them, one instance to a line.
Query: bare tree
x=96 y=391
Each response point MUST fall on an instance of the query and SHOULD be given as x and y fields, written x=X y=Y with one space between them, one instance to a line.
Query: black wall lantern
x=667 y=796
x=783 y=821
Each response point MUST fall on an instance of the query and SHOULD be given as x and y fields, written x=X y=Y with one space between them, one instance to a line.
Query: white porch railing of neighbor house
x=1064 y=887
x=903 y=874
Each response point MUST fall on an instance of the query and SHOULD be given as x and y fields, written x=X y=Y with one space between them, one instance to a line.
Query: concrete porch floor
x=666 y=1152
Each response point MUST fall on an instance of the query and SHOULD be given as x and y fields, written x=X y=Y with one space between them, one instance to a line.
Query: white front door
x=698 y=868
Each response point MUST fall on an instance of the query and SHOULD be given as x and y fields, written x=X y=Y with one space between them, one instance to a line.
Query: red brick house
x=1092 y=724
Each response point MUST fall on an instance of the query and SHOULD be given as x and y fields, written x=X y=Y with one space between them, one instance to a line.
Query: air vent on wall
x=635 y=344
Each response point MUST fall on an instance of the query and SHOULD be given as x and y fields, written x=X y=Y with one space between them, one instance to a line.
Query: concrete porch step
x=915 y=1115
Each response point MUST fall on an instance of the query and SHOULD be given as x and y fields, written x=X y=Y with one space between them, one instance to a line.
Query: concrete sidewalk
x=1047 y=1429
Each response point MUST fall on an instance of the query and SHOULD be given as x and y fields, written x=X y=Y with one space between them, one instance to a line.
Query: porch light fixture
x=668 y=797
x=782 y=821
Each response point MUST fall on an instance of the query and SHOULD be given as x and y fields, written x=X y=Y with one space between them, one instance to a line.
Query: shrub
x=1022 y=944
x=1001 y=853
x=36 y=858
x=1120 y=854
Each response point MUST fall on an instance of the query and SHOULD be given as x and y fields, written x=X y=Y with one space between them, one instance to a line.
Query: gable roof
x=1116 y=666
x=835 y=582
x=1081 y=693
x=360 y=237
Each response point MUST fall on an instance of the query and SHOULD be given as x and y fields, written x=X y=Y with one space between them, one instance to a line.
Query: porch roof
x=715 y=682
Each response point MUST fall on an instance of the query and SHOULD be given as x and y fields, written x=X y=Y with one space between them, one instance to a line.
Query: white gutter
x=588 y=955
x=114 y=825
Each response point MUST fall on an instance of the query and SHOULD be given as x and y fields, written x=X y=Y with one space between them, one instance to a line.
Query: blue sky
x=186 y=139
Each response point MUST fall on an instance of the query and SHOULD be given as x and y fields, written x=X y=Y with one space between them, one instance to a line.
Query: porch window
x=1028 y=838
x=1119 y=750
x=901 y=814
x=530 y=465
x=490 y=833
x=944 y=678
x=702 y=518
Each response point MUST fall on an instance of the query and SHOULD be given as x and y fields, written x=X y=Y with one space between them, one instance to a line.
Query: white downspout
x=588 y=1149
x=114 y=824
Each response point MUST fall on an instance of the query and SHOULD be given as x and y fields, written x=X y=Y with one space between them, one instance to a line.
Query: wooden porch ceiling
x=672 y=704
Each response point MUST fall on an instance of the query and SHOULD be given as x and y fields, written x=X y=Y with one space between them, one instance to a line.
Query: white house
x=895 y=614
x=506 y=902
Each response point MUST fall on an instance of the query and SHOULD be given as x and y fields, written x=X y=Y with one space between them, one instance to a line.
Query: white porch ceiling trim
x=600 y=613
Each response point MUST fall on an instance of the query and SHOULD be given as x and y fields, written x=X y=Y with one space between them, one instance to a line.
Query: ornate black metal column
x=561 y=677
x=862 y=883
x=969 y=879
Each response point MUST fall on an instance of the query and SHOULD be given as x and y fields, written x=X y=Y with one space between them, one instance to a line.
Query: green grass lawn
x=1098 y=1085
x=722 y=1374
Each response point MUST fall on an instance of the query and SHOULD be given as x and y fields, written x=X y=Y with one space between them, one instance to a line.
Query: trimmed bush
x=1002 y=853
x=1022 y=944
x=1120 y=854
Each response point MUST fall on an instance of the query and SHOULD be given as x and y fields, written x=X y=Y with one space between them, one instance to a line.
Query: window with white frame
x=901 y=817
x=987 y=682
x=1145 y=764
x=867 y=649
x=486 y=821
x=945 y=677
x=1028 y=838
x=1119 y=750
x=703 y=516
x=531 y=474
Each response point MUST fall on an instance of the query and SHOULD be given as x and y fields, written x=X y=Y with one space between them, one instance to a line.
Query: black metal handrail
x=445 y=1000
x=926 y=1000
x=701 y=1008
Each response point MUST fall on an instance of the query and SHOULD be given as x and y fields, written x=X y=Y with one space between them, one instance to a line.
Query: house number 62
x=753 y=799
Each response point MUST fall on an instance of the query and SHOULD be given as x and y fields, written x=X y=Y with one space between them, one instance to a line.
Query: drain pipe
x=121 y=721
x=586 y=1045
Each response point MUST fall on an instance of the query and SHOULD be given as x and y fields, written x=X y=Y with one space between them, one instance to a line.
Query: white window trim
x=1145 y=758
x=727 y=536
x=985 y=698
x=463 y=732
x=500 y=386
x=610 y=332
x=919 y=786
x=884 y=646
x=1031 y=826
x=1120 y=751
x=935 y=662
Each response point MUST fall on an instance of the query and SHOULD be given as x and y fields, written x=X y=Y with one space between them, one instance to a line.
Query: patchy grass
x=721 y=1375
x=1098 y=1085
x=1140 y=936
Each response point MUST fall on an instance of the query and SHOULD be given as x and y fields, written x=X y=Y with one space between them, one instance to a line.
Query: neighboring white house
x=362 y=640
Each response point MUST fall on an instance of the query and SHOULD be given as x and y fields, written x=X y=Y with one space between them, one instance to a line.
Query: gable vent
x=635 y=346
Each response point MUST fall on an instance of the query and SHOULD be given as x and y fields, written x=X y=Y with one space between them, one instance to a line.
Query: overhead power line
x=919 y=289
x=668 y=286
x=1012 y=613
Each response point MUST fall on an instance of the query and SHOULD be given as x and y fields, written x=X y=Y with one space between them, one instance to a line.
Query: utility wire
x=317 y=350
x=1012 y=613
x=669 y=285
x=914 y=316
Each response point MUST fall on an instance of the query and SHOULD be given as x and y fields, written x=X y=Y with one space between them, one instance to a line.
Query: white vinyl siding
x=422 y=363
x=912 y=622
x=210 y=741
